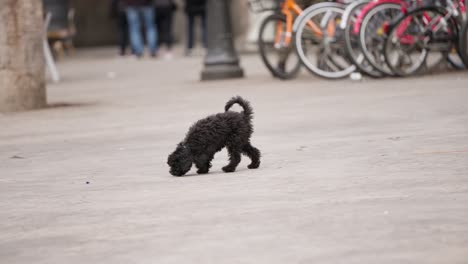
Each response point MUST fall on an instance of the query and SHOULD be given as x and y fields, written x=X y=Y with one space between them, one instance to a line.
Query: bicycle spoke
x=276 y=49
x=334 y=64
x=322 y=57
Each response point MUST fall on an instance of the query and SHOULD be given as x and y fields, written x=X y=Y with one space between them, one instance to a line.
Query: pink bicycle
x=370 y=28
x=430 y=29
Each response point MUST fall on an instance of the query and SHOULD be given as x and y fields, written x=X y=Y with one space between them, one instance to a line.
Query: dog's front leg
x=203 y=163
x=234 y=159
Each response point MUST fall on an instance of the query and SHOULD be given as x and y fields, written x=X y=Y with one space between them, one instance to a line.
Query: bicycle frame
x=410 y=40
x=370 y=6
x=289 y=9
x=404 y=9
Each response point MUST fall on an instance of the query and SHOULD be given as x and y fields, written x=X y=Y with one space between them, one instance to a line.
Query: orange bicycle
x=275 y=41
x=277 y=44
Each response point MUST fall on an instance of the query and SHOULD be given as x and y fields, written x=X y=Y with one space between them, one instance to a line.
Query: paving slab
x=352 y=172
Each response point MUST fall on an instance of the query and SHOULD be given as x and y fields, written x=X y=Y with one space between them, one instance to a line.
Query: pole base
x=221 y=71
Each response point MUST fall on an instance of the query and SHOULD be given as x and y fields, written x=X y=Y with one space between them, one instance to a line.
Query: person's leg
x=190 y=20
x=204 y=33
x=123 y=32
x=169 y=35
x=126 y=36
x=162 y=20
x=159 y=21
x=165 y=33
x=133 y=20
x=151 y=34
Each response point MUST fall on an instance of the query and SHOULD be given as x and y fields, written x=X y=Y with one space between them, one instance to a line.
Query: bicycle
x=319 y=40
x=275 y=36
x=464 y=43
x=464 y=38
x=430 y=29
x=370 y=27
x=352 y=46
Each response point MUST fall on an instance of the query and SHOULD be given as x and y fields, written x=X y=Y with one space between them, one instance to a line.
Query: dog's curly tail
x=248 y=111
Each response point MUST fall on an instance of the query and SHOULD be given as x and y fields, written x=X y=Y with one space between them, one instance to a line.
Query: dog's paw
x=202 y=171
x=228 y=169
x=253 y=166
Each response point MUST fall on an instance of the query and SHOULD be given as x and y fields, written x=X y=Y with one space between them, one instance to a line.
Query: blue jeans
x=134 y=17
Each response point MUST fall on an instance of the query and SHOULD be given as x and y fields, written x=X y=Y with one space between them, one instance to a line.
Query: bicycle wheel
x=455 y=60
x=419 y=40
x=464 y=43
x=320 y=42
x=278 y=57
x=372 y=34
x=351 y=38
x=455 y=56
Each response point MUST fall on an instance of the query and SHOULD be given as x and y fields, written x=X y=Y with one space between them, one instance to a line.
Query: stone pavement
x=352 y=172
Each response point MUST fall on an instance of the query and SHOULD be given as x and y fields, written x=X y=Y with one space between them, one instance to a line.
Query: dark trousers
x=164 y=24
x=122 y=27
x=190 y=29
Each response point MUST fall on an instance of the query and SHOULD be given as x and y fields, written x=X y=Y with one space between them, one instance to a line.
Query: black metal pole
x=221 y=60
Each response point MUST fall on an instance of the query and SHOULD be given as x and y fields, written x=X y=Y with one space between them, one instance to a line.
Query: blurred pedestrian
x=164 y=15
x=117 y=12
x=141 y=12
x=194 y=9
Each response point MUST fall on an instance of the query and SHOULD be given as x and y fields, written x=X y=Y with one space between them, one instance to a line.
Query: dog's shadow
x=217 y=173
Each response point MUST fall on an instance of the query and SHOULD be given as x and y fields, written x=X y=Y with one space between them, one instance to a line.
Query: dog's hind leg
x=234 y=159
x=254 y=154
x=203 y=163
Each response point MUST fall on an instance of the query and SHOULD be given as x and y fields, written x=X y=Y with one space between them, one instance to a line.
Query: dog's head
x=180 y=160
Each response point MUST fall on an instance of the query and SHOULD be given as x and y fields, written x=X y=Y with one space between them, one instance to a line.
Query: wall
x=94 y=26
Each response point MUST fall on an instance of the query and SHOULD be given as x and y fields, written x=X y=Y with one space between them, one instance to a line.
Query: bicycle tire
x=463 y=45
x=276 y=70
x=378 y=63
x=455 y=57
x=456 y=61
x=402 y=50
x=352 y=41
x=422 y=63
x=338 y=61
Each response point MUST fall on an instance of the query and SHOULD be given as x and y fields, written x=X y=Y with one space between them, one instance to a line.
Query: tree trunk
x=22 y=68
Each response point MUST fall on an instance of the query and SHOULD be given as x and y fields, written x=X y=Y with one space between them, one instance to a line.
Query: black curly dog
x=209 y=135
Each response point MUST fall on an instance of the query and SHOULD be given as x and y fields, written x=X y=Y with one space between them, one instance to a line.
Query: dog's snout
x=174 y=173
